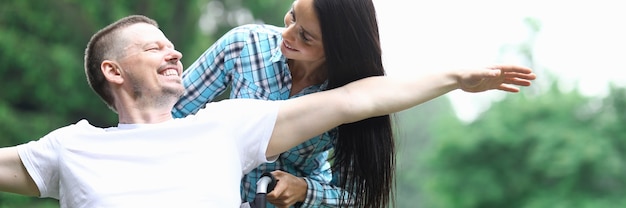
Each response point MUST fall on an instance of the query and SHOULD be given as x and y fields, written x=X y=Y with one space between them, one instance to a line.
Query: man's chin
x=175 y=92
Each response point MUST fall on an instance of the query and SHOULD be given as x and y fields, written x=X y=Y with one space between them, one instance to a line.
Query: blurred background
x=559 y=143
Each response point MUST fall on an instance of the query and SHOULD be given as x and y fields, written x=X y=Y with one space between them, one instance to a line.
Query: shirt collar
x=277 y=55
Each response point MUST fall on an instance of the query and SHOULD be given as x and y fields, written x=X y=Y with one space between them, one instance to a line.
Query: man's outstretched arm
x=13 y=175
x=304 y=117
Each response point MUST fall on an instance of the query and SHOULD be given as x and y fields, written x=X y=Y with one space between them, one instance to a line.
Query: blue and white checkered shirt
x=248 y=58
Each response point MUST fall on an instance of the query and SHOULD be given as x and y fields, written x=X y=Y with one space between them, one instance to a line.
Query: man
x=148 y=159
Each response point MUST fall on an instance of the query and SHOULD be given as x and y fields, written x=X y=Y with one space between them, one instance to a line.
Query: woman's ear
x=112 y=72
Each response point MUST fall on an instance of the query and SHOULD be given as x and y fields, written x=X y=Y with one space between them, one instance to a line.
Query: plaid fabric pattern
x=248 y=58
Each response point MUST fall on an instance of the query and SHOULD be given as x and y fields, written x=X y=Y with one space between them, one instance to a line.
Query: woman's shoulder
x=248 y=30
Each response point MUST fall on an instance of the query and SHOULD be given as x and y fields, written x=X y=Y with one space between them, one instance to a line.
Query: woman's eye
x=301 y=33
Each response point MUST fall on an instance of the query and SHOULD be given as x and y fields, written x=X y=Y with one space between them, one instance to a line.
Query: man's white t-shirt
x=196 y=161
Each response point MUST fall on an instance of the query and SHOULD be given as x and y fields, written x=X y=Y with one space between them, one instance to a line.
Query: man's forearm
x=316 y=113
x=382 y=95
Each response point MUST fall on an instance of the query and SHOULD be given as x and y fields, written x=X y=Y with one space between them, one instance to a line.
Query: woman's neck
x=305 y=74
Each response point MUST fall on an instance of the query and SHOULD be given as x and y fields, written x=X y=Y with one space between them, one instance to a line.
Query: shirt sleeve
x=250 y=122
x=322 y=183
x=254 y=134
x=209 y=75
x=41 y=162
x=322 y=194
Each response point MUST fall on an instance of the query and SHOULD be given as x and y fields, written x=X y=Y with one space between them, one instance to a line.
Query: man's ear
x=112 y=71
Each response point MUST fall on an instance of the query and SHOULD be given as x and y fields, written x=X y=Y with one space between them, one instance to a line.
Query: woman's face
x=302 y=37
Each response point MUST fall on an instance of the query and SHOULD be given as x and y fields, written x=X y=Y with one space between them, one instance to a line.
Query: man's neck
x=142 y=114
x=145 y=117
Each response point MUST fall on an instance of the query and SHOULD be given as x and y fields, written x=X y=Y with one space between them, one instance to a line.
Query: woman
x=325 y=44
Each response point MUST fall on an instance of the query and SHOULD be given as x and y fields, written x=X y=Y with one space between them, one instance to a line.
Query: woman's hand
x=288 y=191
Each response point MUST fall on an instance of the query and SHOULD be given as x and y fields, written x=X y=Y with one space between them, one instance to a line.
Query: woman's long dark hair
x=364 y=152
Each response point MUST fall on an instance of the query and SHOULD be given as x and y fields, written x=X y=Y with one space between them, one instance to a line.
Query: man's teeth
x=170 y=72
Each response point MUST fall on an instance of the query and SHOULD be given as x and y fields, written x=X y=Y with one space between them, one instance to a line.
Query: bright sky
x=582 y=42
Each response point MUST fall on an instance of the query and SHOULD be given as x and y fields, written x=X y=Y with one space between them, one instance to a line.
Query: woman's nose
x=287 y=33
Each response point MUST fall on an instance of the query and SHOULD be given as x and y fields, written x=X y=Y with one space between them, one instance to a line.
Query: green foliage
x=413 y=136
x=552 y=150
x=8 y=200
x=226 y=14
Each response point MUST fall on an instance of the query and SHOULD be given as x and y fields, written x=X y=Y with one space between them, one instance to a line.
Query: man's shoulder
x=81 y=126
x=243 y=106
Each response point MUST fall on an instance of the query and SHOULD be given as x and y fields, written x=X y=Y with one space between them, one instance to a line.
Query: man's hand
x=501 y=77
x=289 y=190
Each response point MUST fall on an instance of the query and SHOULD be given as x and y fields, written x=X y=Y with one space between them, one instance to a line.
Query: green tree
x=42 y=46
x=552 y=150
x=413 y=131
x=536 y=149
x=219 y=16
